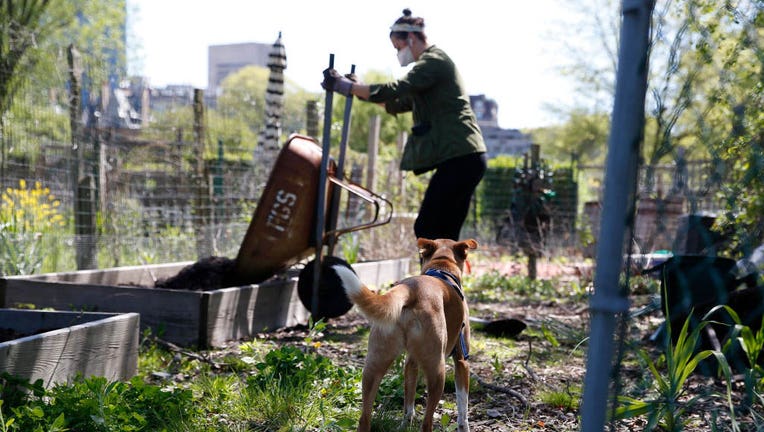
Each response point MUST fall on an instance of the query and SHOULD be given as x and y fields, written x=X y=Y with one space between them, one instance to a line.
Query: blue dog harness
x=455 y=284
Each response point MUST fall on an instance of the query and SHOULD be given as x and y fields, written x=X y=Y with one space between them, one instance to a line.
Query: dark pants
x=447 y=198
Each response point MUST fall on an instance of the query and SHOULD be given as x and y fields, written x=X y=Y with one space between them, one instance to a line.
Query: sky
x=507 y=50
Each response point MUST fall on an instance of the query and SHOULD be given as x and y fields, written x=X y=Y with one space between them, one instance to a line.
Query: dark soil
x=9 y=334
x=207 y=274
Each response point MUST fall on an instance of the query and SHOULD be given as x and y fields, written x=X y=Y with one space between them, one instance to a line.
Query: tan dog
x=426 y=316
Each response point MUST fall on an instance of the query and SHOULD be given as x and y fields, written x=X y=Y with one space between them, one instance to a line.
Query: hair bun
x=407 y=12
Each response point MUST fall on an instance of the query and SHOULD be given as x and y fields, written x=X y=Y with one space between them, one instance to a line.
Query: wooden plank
x=106 y=347
x=381 y=274
x=242 y=312
x=170 y=314
x=143 y=275
x=31 y=321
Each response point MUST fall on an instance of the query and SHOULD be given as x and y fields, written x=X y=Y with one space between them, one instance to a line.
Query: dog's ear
x=426 y=247
x=471 y=243
x=461 y=247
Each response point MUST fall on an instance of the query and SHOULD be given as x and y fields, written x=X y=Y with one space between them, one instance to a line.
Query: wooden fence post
x=311 y=115
x=373 y=149
x=84 y=221
x=532 y=251
x=83 y=186
x=402 y=138
x=353 y=205
x=202 y=208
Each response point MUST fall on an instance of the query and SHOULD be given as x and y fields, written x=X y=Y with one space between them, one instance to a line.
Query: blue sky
x=508 y=50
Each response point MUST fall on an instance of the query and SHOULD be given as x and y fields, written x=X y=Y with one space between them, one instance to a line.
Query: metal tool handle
x=321 y=198
x=379 y=202
x=335 y=206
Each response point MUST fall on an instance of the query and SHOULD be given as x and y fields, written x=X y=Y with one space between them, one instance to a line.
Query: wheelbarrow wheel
x=332 y=300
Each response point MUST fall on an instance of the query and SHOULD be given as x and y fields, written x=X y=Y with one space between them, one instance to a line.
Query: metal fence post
x=626 y=133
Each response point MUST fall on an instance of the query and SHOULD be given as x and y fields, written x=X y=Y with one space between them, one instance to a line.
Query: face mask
x=405 y=56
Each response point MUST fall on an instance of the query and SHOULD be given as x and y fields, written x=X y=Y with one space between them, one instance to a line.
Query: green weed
x=567 y=399
x=752 y=344
x=667 y=405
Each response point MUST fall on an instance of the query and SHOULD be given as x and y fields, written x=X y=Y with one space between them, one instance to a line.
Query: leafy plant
x=752 y=344
x=97 y=405
x=667 y=406
x=295 y=387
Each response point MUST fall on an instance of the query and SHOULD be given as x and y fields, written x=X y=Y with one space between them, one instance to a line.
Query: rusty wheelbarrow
x=297 y=216
x=281 y=230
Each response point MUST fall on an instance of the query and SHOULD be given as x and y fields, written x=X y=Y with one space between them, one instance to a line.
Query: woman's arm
x=360 y=90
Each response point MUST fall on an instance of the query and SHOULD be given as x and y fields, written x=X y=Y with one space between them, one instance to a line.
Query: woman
x=445 y=137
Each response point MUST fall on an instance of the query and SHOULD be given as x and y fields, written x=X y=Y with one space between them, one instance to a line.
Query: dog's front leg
x=410 y=376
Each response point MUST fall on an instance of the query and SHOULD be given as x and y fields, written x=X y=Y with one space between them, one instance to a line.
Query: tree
x=34 y=35
x=243 y=95
x=242 y=98
x=732 y=122
x=581 y=136
x=22 y=24
x=684 y=66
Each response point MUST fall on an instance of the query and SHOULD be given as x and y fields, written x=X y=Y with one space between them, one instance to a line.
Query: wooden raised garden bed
x=184 y=317
x=56 y=346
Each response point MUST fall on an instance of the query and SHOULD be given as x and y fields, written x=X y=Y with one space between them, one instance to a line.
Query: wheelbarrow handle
x=370 y=197
x=321 y=197
x=335 y=204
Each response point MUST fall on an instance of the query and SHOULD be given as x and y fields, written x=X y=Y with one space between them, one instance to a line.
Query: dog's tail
x=379 y=309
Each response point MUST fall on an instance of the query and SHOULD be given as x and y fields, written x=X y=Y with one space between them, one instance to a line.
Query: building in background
x=498 y=141
x=224 y=60
x=170 y=96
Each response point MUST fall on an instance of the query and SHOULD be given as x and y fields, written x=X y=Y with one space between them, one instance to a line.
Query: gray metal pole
x=334 y=210
x=326 y=145
x=626 y=133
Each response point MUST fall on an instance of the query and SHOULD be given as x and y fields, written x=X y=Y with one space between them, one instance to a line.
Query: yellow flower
x=25 y=210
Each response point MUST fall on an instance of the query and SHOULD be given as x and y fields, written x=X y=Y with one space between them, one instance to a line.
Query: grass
x=567 y=399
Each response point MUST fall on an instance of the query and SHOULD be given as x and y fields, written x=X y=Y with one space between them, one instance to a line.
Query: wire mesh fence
x=128 y=186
